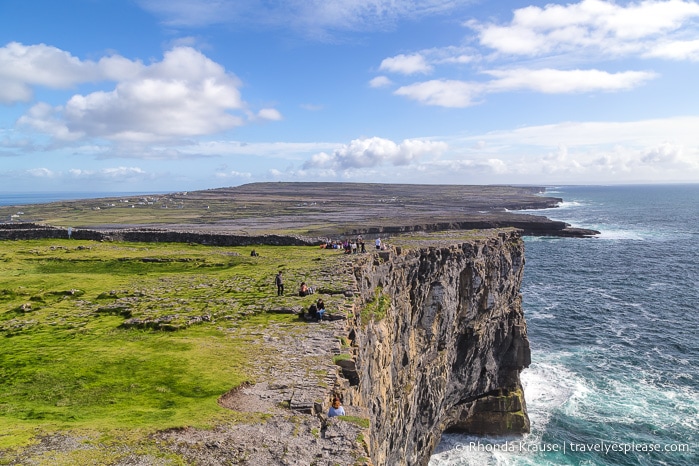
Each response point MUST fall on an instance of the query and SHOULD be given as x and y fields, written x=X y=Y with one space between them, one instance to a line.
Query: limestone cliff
x=440 y=339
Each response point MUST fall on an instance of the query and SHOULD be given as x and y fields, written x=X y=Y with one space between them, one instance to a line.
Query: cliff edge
x=439 y=340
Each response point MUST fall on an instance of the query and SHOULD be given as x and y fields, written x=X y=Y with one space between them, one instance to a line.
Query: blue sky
x=171 y=95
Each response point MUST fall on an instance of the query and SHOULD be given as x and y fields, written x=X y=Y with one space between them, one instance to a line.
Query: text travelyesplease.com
x=601 y=447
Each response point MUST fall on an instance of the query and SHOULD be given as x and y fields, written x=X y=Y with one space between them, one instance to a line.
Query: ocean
x=44 y=197
x=613 y=324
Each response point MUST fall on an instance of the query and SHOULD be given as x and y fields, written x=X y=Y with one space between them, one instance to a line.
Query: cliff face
x=440 y=342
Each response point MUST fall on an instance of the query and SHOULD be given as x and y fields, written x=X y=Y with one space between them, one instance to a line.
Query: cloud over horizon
x=184 y=95
x=374 y=152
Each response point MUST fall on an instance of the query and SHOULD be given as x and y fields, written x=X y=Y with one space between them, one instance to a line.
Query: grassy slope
x=65 y=362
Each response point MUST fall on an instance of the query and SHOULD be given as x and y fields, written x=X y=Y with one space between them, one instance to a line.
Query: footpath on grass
x=295 y=379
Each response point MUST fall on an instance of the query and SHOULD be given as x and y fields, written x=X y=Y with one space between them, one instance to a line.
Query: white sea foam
x=560 y=206
x=620 y=234
x=637 y=400
x=533 y=315
x=548 y=386
x=569 y=204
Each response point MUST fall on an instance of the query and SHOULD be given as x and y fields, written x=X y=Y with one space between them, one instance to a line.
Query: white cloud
x=647 y=150
x=668 y=154
x=122 y=172
x=109 y=173
x=103 y=177
x=373 y=152
x=664 y=161
x=675 y=50
x=549 y=41
x=406 y=64
x=590 y=24
x=641 y=133
x=46 y=119
x=459 y=94
x=459 y=166
x=380 y=81
x=552 y=81
x=424 y=62
x=233 y=174
x=41 y=172
x=283 y=150
x=609 y=164
x=25 y=66
x=443 y=93
x=271 y=114
x=184 y=95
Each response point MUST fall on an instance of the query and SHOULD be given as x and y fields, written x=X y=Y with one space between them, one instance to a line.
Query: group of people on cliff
x=317 y=310
x=353 y=246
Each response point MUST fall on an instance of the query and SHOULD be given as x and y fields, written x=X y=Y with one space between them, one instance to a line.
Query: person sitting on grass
x=321 y=309
x=305 y=290
x=313 y=311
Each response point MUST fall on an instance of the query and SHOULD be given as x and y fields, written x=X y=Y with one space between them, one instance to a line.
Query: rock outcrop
x=439 y=343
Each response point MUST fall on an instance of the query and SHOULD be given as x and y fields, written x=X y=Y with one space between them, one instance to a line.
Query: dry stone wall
x=24 y=231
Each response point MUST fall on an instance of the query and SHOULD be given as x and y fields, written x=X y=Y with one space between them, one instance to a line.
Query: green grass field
x=68 y=362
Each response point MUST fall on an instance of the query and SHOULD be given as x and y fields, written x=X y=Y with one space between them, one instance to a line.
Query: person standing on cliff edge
x=280 y=284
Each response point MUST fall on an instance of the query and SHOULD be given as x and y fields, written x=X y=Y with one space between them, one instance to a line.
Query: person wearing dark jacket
x=279 y=281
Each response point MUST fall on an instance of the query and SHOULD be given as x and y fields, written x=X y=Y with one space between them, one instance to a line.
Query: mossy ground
x=377 y=307
x=67 y=363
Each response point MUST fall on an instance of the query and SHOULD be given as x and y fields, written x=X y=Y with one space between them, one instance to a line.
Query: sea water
x=613 y=323
x=19 y=199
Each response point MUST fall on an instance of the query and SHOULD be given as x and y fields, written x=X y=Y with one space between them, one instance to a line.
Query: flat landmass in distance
x=310 y=209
